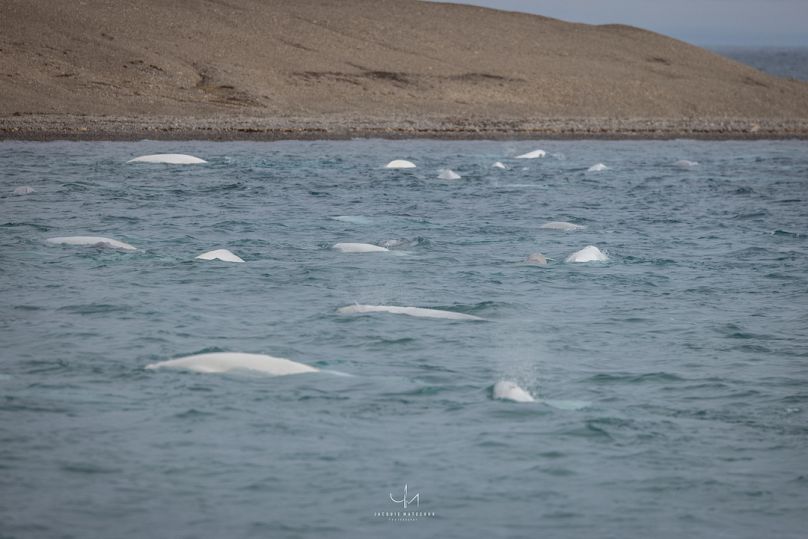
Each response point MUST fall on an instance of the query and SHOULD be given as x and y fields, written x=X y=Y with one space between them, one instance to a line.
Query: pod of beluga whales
x=224 y=362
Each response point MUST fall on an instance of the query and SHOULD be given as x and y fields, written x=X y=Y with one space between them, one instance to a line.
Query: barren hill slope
x=371 y=62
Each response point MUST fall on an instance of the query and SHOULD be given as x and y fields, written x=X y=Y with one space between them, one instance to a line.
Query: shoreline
x=222 y=128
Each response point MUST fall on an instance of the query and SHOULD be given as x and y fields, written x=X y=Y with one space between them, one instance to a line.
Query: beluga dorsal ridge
x=590 y=253
x=510 y=391
x=419 y=312
x=532 y=155
x=400 y=163
x=168 y=159
x=448 y=174
x=359 y=248
x=92 y=241
x=221 y=362
x=537 y=259
x=220 y=254
x=561 y=225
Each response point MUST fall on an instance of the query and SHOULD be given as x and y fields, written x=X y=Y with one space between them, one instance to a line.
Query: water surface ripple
x=674 y=374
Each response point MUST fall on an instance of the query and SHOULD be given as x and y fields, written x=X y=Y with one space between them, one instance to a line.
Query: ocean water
x=786 y=62
x=671 y=380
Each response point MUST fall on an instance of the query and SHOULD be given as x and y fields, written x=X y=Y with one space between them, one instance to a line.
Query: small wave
x=404 y=243
x=385 y=341
x=28 y=308
x=786 y=233
x=194 y=414
x=35 y=226
x=589 y=430
x=87 y=468
x=425 y=391
x=474 y=308
x=632 y=378
x=354 y=219
x=752 y=215
x=95 y=308
x=237 y=186
x=734 y=331
x=566 y=404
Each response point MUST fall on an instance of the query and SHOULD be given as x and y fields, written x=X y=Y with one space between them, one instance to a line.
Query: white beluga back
x=168 y=159
x=448 y=174
x=220 y=254
x=400 y=163
x=599 y=167
x=590 y=253
x=92 y=241
x=359 y=248
x=532 y=155
x=24 y=190
x=510 y=391
x=500 y=165
x=561 y=225
x=409 y=311
x=685 y=164
x=537 y=259
x=219 y=362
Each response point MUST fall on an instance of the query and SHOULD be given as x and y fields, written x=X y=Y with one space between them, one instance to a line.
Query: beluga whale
x=537 y=259
x=532 y=155
x=599 y=167
x=24 y=190
x=220 y=254
x=500 y=165
x=168 y=159
x=448 y=174
x=685 y=164
x=220 y=362
x=359 y=248
x=400 y=163
x=561 y=225
x=409 y=311
x=590 y=253
x=92 y=241
x=510 y=391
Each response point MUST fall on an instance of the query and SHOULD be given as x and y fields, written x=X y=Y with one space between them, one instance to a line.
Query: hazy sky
x=703 y=22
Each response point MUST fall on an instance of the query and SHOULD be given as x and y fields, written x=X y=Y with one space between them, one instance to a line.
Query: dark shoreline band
x=68 y=127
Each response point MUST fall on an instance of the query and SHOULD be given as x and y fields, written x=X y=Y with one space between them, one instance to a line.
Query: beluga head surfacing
x=510 y=391
x=536 y=259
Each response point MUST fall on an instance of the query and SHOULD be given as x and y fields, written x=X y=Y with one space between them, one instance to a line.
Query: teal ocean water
x=670 y=381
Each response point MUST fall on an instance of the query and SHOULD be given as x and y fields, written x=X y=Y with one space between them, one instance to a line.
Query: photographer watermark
x=407 y=501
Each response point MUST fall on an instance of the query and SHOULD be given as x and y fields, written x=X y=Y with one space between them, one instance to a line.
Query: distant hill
x=362 y=62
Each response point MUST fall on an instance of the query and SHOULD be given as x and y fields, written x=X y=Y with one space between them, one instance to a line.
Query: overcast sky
x=702 y=22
